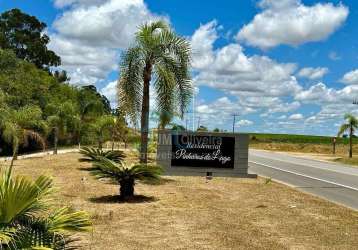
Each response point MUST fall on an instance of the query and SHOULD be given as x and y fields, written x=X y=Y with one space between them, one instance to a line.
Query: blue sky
x=284 y=66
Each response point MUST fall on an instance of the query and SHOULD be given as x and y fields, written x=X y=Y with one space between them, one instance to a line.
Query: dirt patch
x=191 y=213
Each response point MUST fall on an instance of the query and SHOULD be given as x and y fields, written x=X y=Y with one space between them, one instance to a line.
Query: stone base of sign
x=164 y=156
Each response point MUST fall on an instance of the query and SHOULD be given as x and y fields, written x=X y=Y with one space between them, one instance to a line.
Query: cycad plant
x=125 y=176
x=20 y=126
x=90 y=154
x=351 y=125
x=162 y=58
x=26 y=220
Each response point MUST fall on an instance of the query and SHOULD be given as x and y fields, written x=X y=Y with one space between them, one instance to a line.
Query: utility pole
x=198 y=121
x=233 y=123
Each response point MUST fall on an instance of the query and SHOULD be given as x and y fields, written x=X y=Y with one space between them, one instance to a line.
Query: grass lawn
x=189 y=213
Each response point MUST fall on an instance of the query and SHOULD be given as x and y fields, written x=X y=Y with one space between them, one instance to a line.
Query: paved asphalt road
x=334 y=182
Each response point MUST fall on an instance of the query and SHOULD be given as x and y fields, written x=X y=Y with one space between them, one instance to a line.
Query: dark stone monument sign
x=197 y=153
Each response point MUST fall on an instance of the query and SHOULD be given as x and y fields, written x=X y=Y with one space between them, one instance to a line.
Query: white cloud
x=350 y=77
x=292 y=23
x=202 y=45
x=243 y=123
x=89 y=35
x=295 y=117
x=230 y=70
x=112 y=23
x=110 y=91
x=321 y=94
x=313 y=73
x=85 y=64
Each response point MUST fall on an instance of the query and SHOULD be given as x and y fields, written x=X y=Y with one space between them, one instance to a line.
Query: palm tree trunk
x=145 y=114
x=55 y=141
x=126 y=189
x=14 y=155
x=351 y=143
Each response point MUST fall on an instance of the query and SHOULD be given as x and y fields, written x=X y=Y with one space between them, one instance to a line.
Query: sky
x=281 y=66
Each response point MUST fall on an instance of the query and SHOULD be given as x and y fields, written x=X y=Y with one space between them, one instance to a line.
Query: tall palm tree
x=21 y=126
x=351 y=125
x=61 y=117
x=26 y=220
x=162 y=58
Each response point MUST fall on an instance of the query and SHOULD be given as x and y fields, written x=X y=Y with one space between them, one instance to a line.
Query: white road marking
x=312 y=166
x=307 y=176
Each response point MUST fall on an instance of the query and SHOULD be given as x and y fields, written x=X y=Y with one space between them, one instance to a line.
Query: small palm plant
x=26 y=220
x=351 y=125
x=125 y=176
x=20 y=126
x=95 y=154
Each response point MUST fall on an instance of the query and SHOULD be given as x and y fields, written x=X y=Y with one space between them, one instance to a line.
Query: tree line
x=38 y=107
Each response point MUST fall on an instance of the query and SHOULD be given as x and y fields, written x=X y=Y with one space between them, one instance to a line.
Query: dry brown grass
x=189 y=213
x=314 y=151
x=304 y=147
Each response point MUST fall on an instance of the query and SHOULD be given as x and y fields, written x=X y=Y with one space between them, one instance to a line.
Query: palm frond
x=63 y=220
x=342 y=129
x=146 y=172
x=21 y=197
x=130 y=85
x=34 y=136
x=109 y=169
x=90 y=154
x=25 y=222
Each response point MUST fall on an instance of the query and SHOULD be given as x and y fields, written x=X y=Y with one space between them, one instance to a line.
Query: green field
x=289 y=138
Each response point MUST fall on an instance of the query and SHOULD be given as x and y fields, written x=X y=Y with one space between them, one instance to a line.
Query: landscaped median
x=193 y=213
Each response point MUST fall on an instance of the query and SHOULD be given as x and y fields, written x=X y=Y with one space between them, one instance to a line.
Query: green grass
x=289 y=138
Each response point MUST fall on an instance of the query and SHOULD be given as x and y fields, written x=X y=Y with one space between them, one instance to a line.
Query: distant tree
x=61 y=116
x=216 y=130
x=24 y=34
x=101 y=126
x=20 y=126
x=90 y=107
x=158 y=54
x=350 y=126
x=105 y=102
x=178 y=127
x=61 y=76
x=121 y=131
x=202 y=129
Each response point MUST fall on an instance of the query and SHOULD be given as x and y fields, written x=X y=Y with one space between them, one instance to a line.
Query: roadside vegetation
x=339 y=149
x=27 y=220
x=192 y=213
x=111 y=165
x=39 y=109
